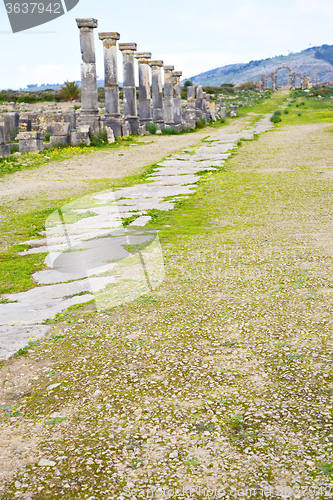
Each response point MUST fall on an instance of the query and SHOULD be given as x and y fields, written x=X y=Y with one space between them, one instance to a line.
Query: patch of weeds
x=47 y=137
x=16 y=270
x=60 y=145
x=11 y=411
x=200 y=427
x=14 y=148
x=57 y=338
x=127 y=220
x=151 y=128
x=170 y=131
x=99 y=138
x=231 y=344
x=55 y=420
x=327 y=469
x=148 y=299
x=200 y=123
x=191 y=461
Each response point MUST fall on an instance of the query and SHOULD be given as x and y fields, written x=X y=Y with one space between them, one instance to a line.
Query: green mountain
x=303 y=62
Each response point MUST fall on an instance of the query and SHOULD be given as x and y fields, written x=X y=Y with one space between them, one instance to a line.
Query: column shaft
x=177 y=102
x=89 y=98
x=130 y=109
x=112 y=108
x=157 y=91
x=168 y=96
x=145 y=114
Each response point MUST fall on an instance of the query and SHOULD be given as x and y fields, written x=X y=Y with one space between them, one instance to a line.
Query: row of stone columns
x=168 y=114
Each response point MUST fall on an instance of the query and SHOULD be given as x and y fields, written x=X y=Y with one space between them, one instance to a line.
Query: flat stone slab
x=13 y=338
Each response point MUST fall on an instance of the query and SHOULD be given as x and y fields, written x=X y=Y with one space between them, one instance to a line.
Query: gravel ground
x=219 y=384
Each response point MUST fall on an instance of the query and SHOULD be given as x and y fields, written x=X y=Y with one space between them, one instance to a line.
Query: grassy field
x=220 y=380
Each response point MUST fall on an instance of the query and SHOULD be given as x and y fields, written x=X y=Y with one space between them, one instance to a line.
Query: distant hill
x=304 y=62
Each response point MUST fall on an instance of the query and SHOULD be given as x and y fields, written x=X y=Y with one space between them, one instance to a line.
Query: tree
x=70 y=91
x=188 y=83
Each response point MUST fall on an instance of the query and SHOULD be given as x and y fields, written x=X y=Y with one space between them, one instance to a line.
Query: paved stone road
x=91 y=256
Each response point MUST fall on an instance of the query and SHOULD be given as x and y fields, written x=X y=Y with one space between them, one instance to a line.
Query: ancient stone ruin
x=159 y=104
x=304 y=80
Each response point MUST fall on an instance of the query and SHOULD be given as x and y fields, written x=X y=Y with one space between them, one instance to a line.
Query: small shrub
x=15 y=132
x=299 y=114
x=47 y=137
x=200 y=123
x=99 y=138
x=277 y=112
x=286 y=111
x=77 y=106
x=275 y=118
x=170 y=131
x=151 y=128
x=14 y=148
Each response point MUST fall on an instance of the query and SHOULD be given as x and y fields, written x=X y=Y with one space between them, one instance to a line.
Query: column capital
x=156 y=63
x=143 y=55
x=87 y=23
x=107 y=36
x=169 y=68
x=177 y=73
x=130 y=47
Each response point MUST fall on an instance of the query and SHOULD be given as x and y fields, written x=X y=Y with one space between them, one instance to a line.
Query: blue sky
x=193 y=35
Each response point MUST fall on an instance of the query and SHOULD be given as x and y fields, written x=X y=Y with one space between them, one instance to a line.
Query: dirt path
x=71 y=176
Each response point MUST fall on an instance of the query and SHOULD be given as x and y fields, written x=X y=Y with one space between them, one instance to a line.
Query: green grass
x=16 y=270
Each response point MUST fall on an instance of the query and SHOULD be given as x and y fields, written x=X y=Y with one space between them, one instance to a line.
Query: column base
x=134 y=123
x=91 y=118
x=115 y=123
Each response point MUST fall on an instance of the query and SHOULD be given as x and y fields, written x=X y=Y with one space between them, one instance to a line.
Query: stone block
x=71 y=119
x=73 y=138
x=83 y=134
x=233 y=111
x=142 y=129
x=59 y=129
x=223 y=111
x=110 y=134
x=2 y=133
x=125 y=129
x=30 y=142
x=24 y=125
x=11 y=121
x=4 y=150
x=54 y=139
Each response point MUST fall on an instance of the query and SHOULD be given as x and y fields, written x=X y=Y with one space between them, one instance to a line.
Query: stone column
x=112 y=109
x=204 y=107
x=144 y=87
x=156 y=82
x=89 y=100
x=190 y=109
x=274 y=82
x=208 y=110
x=168 y=96
x=130 y=109
x=198 y=103
x=177 y=102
